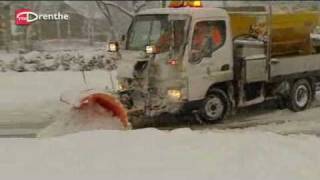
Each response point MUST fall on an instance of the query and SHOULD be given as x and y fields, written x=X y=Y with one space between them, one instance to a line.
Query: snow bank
x=152 y=154
x=81 y=60
x=58 y=56
x=92 y=117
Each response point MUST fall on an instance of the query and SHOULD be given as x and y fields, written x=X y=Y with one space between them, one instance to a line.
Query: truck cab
x=191 y=53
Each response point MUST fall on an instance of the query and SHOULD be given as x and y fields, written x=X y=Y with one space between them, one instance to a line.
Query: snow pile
x=90 y=117
x=77 y=121
x=152 y=154
x=55 y=61
x=58 y=55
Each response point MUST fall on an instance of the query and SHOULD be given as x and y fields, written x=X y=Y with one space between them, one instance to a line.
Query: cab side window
x=208 y=36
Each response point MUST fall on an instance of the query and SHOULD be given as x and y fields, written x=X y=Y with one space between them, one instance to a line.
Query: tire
x=215 y=106
x=301 y=95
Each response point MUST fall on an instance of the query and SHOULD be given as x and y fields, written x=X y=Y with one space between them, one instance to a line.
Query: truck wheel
x=300 y=96
x=215 y=106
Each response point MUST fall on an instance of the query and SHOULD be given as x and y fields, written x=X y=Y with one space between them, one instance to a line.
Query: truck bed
x=286 y=66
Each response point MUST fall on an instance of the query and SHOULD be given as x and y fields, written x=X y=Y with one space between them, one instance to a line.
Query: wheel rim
x=302 y=96
x=214 y=108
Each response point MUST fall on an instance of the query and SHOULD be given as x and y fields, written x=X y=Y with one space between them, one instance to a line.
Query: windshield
x=156 y=30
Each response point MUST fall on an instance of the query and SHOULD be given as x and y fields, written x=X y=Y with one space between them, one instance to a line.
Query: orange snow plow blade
x=108 y=103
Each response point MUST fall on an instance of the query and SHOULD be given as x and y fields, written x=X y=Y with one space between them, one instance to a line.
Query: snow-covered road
x=272 y=120
x=153 y=154
x=30 y=101
x=246 y=147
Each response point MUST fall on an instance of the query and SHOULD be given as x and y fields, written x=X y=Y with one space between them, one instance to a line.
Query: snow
x=29 y=102
x=33 y=97
x=153 y=154
x=71 y=60
x=91 y=118
x=42 y=86
x=307 y=122
x=57 y=55
x=283 y=145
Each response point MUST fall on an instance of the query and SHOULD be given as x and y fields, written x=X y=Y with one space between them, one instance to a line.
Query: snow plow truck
x=210 y=61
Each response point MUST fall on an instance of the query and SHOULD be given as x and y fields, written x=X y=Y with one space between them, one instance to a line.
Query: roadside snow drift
x=152 y=154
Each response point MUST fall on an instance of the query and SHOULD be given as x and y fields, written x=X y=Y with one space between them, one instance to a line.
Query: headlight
x=123 y=85
x=120 y=87
x=174 y=94
x=151 y=49
x=113 y=47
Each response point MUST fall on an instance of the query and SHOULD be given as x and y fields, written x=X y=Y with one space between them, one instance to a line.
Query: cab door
x=210 y=56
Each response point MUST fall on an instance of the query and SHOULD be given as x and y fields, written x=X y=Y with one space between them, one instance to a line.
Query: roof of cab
x=194 y=12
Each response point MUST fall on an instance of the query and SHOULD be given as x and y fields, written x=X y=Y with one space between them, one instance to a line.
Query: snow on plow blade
x=90 y=110
x=108 y=103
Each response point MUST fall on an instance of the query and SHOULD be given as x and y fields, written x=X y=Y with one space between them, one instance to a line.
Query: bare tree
x=90 y=23
x=28 y=44
x=137 y=6
x=104 y=6
x=6 y=34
